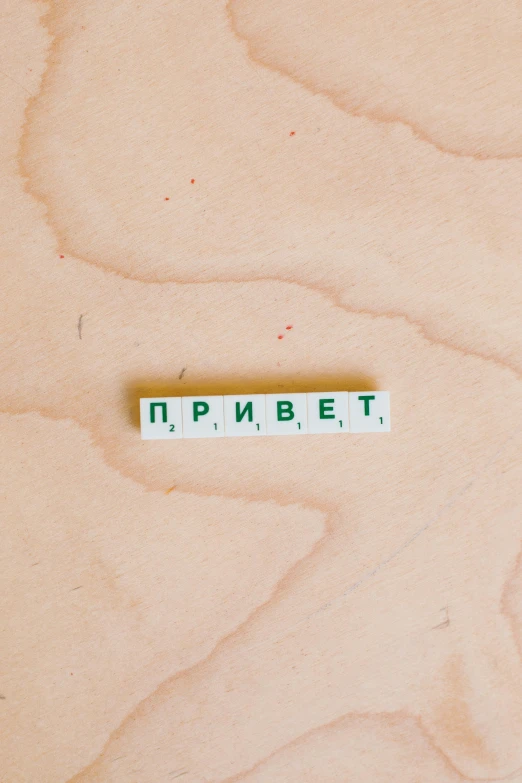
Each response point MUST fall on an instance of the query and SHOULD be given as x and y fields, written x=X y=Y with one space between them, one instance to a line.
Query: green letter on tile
x=366 y=398
x=199 y=409
x=324 y=406
x=153 y=406
x=285 y=410
x=240 y=414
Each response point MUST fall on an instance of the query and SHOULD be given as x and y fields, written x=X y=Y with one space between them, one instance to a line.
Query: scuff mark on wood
x=445 y=622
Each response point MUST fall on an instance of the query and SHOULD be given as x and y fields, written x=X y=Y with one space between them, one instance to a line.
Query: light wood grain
x=180 y=182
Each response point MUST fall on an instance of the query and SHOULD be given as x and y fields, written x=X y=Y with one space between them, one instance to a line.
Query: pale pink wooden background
x=308 y=610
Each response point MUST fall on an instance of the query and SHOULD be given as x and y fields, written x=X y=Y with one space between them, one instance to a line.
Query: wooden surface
x=181 y=181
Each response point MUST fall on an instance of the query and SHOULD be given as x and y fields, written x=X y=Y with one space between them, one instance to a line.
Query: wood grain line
x=389 y=718
x=375 y=117
x=331 y=293
x=164 y=687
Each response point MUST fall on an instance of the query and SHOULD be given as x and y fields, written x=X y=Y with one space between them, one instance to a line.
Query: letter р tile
x=203 y=417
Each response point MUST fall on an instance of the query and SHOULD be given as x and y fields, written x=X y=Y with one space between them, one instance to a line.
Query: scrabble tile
x=327 y=412
x=369 y=411
x=160 y=418
x=203 y=417
x=244 y=414
x=286 y=414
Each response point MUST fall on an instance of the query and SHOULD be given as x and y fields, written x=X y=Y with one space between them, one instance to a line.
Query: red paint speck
x=280 y=336
x=192 y=181
x=292 y=133
x=167 y=198
x=289 y=327
x=62 y=256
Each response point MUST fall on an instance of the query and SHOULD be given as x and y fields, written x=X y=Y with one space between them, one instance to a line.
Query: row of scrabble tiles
x=264 y=414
